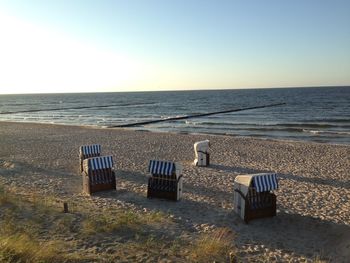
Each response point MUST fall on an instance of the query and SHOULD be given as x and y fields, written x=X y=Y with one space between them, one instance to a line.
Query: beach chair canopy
x=261 y=182
x=98 y=163
x=161 y=167
x=202 y=146
x=94 y=149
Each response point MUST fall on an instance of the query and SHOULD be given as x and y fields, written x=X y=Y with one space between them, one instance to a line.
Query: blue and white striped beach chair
x=98 y=174
x=88 y=151
x=165 y=180
x=253 y=197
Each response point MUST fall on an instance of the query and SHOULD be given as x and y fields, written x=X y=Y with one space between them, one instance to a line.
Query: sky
x=140 y=45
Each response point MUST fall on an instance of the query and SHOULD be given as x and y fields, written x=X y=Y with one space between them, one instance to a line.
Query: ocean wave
x=312 y=125
x=289 y=125
x=243 y=128
x=226 y=123
x=335 y=120
x=316 y=132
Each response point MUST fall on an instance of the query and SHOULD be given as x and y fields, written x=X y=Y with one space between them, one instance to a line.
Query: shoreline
x=185 y=133
x=313 y=199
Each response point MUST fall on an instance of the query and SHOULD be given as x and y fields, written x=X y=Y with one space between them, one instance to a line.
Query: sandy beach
x=313 y=199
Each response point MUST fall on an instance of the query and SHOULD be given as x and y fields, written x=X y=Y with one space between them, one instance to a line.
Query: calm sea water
x=313 y=114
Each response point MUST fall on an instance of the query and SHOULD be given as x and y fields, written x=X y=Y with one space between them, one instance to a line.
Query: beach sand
x=313 y=199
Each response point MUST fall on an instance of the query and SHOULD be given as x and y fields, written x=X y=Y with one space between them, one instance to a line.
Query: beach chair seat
x=98 y=174
x=165 y=180
x=201 y=150
x=88 y=151
x=253 y=197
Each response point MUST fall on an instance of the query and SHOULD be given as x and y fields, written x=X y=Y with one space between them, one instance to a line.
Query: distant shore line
x=179 y=132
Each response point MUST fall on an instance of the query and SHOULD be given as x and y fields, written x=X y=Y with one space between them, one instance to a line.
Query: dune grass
x=35 y=229
x=126 y=220
x=213 y=247
x=23 y=248
x=22 y=222
x=32 y=229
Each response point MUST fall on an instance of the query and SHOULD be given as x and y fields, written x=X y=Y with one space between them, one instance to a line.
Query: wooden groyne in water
x=193 y=116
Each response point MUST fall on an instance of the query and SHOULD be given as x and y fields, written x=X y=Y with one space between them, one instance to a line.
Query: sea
x=317 y=114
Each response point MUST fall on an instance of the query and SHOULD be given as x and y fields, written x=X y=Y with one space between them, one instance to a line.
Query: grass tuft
x=107 y=223
x=5 y=199
x=123 y=221
x=216 y=246
x=318 y=259
x=22 y=248
x=21 y=225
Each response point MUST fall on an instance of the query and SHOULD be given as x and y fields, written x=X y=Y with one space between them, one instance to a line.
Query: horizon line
x=174 y=90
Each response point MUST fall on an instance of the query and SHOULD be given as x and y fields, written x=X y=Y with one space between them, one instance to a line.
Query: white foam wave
x=317 y=132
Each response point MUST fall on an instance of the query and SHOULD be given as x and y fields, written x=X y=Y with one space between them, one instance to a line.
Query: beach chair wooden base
x=263 y=210
x=162 y=195
x=90 y=188
x=207 y=163
x=203 y=159
x=156 y=192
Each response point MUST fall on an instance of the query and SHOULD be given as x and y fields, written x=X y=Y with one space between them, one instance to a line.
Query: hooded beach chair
x=201 y=150
x=98 y=174
x=253 y=197
x=88 y=151
x=165 y=180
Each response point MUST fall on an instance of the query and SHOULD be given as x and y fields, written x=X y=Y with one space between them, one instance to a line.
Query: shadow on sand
x=303 y=235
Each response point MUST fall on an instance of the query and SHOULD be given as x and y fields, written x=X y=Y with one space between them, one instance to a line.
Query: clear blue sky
x=62 y=46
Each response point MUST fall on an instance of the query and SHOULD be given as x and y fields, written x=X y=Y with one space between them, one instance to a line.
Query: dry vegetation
x=22 y=222
x=213 y=247
x=35 y=229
